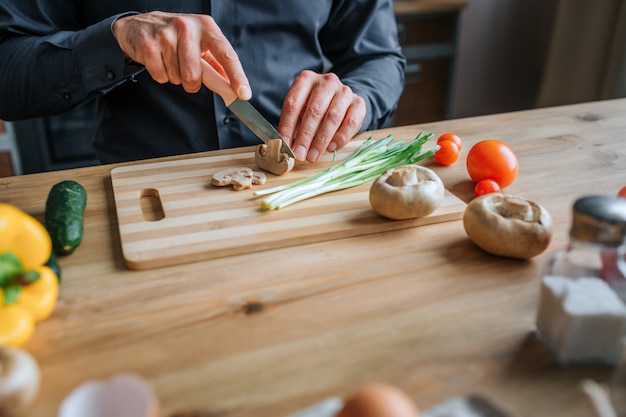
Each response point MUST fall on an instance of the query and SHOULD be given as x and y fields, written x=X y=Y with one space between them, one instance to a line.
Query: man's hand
x=319 y=113
x=171 y=46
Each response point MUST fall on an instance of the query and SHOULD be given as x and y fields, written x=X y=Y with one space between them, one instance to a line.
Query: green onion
x=366 y=164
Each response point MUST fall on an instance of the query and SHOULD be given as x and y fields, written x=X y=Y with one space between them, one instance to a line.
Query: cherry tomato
x=448 y=153
x=492 y=159
x=622 y=192
x=451 y=136
x=485 y=187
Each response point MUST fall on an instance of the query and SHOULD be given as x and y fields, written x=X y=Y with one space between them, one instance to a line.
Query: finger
x=152 y=59
x=169 y=45
x=293 y=106
x=237 y=77
x=167 y=34
x=350 y=125
x=315 y=110
x=189 y=56
x=330 y=123
x=223 y=52
x=158 y=53
x=140 y=44
x=152 y=39
x=208 y=57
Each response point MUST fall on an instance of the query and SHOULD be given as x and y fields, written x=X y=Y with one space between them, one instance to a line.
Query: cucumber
x=53 y=263
x=65 y=211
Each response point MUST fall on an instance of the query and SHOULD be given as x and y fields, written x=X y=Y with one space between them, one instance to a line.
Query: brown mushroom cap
x=406 y=192
x=507 y=225
x=269 y=157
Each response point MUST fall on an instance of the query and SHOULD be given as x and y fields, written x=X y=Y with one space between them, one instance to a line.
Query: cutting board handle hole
x=151 y=205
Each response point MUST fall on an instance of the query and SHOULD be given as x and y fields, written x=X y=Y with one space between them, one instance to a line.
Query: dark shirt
x=57 y=54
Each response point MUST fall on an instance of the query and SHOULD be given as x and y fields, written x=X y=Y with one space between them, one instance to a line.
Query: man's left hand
x=319 y=114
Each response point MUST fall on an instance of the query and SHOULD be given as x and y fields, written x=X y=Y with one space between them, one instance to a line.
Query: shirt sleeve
x=361 y=42
x=50 y=66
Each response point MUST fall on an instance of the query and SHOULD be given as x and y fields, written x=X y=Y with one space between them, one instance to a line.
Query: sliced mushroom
x=406 y=192
x=239 y=177
x=507 y=225
x=270 y=158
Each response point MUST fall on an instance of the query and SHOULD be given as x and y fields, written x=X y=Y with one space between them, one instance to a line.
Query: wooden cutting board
x=169 y=213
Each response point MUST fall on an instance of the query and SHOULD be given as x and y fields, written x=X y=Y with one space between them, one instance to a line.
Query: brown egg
x=379 y=400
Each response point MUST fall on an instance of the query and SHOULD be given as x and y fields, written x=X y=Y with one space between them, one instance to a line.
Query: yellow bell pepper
x=25 y=247
x=25 y=236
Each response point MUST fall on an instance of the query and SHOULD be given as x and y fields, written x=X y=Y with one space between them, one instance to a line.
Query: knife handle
x=214 y=81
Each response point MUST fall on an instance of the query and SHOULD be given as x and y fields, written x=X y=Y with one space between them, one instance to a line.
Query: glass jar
x=581 y=315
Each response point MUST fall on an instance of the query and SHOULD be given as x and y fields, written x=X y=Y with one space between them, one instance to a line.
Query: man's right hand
x=171 y=46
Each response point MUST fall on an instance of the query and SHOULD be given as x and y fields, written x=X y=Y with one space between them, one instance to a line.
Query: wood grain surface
x=198 y=221
x=428 y=6
x=267 y=334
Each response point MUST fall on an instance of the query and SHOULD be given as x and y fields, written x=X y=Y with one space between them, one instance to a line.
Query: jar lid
x=600 y=219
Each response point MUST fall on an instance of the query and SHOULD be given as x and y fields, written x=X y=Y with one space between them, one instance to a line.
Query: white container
x=581 y=321
x=582 y=316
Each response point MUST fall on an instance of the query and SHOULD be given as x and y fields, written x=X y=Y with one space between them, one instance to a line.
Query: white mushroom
x=269 y=157
x=507 y=225
x=406 y=192
x=19 y=381
x=240 y=178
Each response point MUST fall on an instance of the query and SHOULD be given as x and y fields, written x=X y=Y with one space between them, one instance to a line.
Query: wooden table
x=428 y=6
x=269 y=333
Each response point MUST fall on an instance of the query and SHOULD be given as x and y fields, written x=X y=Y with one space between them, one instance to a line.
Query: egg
x=379 y=400
x=123 y=395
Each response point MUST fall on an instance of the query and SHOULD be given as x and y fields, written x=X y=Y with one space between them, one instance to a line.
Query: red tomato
x=451 y=136
x=492 y=159
x=622 y=192
x=485 y=187
x=448 y=152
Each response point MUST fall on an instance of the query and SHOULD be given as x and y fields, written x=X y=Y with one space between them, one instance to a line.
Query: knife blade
x=250 y=116
x=257 y=123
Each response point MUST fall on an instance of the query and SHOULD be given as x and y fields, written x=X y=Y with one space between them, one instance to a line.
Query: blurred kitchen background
x=465 y=58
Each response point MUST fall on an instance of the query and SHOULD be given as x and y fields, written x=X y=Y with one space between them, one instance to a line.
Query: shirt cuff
x=366 y=124
x=103 y=63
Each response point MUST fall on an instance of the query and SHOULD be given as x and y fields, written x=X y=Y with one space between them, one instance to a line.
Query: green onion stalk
x=367 y=163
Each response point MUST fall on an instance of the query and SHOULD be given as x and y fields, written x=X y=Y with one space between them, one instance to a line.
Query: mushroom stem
x=403 y=178
x=517 y=208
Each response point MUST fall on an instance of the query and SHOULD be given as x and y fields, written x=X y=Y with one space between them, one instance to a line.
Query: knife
x=214 y=81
